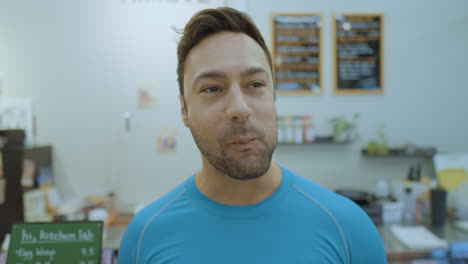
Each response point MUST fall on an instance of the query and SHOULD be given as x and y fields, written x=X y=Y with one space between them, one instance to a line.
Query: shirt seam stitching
x=140 y=241
x=340 y=230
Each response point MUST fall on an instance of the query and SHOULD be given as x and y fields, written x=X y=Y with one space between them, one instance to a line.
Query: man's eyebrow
x=209 y=75
x=252 y=71
x=222 y=75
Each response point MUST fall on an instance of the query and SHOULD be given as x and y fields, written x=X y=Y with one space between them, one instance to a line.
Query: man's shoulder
x=337 y=205
x=142 y=222
x=160 y=207
x=355 y=226
x=315 y=192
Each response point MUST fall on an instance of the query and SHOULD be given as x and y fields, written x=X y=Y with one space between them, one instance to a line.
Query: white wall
x=80 y=61
x=51 y=51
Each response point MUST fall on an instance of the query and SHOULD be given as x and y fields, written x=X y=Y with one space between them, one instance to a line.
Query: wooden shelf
x=296 y=43
x=297 y=53
x=372 y=59
x=357 y=29
x=318 y=140
x=296 y=80
x=297 y=31
x=297 y=92
x=296 y=67
x=400 y=152
x=355 y=40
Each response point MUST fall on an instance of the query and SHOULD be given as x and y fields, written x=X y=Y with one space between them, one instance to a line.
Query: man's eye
x=211 y=90
x=257 y=85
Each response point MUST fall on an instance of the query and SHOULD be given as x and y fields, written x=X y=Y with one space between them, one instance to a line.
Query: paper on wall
x=29 y=168
x=166 y=140
x=35 y=206
x=147 y=95
x=17 y=113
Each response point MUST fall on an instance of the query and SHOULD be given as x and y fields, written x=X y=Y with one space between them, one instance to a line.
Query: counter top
x=398 y=253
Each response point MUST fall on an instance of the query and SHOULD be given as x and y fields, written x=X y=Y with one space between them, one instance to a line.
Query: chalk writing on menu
x=359 y=52
x=296 y=52
x=49 y=243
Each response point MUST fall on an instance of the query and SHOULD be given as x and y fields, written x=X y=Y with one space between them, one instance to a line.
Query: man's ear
x=183 y=110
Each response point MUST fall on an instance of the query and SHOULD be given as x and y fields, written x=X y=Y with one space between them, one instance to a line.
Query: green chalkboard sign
x=56 y=243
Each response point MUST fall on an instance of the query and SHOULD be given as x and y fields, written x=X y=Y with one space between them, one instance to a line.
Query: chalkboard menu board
x=55 y=243
x=296 y=45
x=358 y=53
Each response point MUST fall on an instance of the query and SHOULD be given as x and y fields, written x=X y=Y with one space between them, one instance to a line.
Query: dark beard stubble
x=253 y=166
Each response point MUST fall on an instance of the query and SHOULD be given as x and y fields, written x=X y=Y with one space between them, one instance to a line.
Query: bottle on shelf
x=298 y=131
x=308 y=129
x=288 y=130
x=281 y=130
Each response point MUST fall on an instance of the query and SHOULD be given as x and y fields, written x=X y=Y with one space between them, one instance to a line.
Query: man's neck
x=226 y=190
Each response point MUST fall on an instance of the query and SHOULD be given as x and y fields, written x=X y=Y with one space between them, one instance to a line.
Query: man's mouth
x=243 y=141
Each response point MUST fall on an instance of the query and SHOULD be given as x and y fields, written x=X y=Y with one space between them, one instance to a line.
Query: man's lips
x=242 y=141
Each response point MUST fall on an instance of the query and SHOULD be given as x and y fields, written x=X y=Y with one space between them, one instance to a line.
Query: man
x=240 y=207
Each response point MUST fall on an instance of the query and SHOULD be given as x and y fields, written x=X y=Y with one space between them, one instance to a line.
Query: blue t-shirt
x=300 y=222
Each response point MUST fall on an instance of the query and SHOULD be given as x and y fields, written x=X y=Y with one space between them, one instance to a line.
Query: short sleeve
x=128 y=245
x=364 y=242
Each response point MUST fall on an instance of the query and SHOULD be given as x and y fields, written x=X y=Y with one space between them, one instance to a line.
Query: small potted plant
x=344 y=130
x=382 y=149
x=380 y=146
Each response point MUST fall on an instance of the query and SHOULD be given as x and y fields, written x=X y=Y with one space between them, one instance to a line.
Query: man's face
x=230 y=106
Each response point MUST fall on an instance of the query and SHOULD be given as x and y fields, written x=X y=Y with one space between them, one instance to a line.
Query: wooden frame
x=357 y=80
x=304 y=75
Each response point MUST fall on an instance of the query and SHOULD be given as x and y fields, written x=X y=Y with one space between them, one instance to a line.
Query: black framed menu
x=358 y=53
x=296 y=45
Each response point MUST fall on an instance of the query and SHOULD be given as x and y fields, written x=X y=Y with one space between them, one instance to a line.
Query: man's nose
x=237 y=107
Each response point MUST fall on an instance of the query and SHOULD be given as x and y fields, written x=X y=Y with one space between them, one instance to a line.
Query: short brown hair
x=208 y=22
